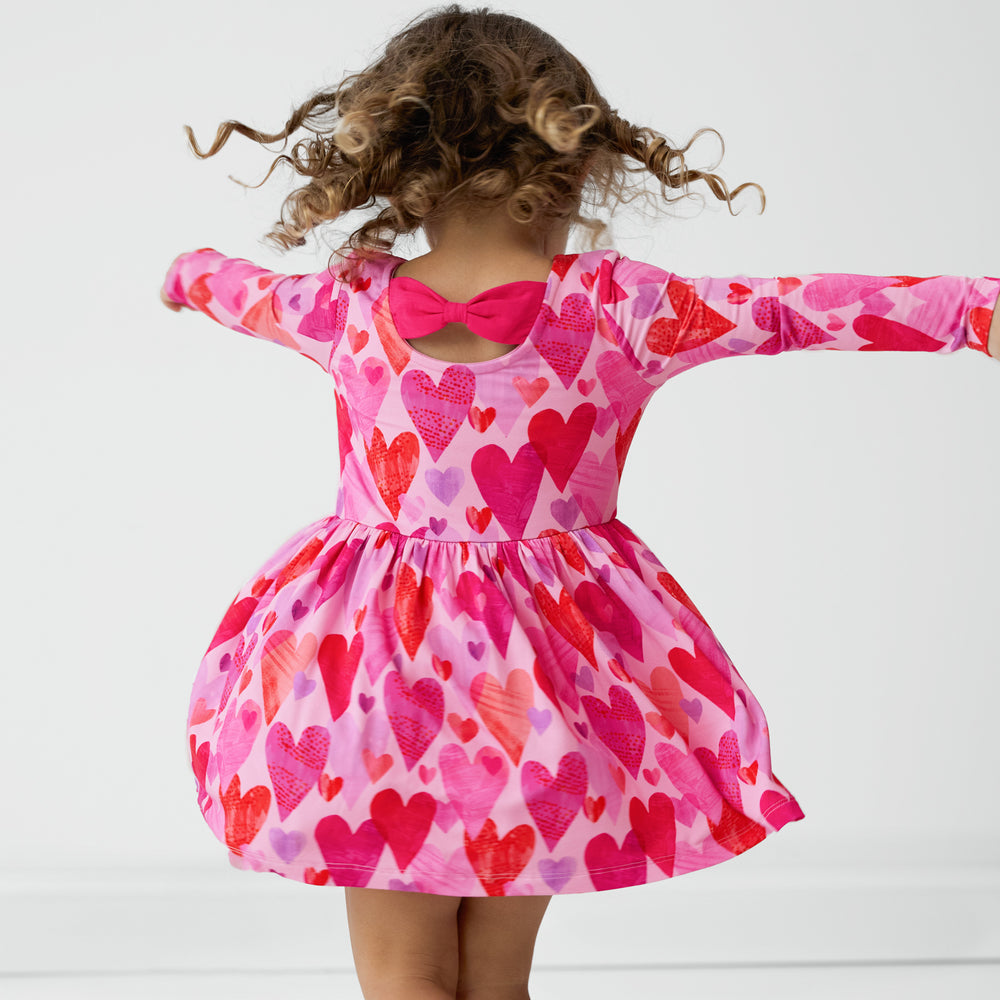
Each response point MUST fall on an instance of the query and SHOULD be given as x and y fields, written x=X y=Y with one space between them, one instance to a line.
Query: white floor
x=968 y=981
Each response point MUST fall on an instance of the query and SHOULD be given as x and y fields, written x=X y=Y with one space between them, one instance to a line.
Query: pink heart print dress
x=471 y=678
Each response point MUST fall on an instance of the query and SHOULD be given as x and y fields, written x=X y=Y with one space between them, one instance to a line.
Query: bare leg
x=496 y=943
x=405 y=944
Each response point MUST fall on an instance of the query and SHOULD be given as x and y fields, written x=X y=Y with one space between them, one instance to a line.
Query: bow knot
x=504 y=314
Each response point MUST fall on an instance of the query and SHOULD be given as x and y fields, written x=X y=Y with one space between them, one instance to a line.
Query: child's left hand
x=169 y=303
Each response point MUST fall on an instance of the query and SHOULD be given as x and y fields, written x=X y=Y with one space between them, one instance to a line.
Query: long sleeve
x=667 y=324
x=293 y=310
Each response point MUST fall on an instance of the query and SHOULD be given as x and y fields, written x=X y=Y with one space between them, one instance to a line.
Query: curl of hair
x=471 y=109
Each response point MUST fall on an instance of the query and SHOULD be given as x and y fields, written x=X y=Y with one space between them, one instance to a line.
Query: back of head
x=472 y=109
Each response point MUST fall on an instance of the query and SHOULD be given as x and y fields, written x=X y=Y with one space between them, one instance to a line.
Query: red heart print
x=531 y=391
x=356 y=338
x=497 y=862
x=700 y=325
x=393 y=467
x=481 y=419
x=735 y=832
x=441 y=667
x=504 y=708
x=748 y=775
x=560 y=443
x=438 y=411
x=338 y=664
x=375 y=766
x=568 y=620
x=412 y=607
x=656 y=829
x=465 y=729
x=404 y=827
x=282 y=659
x=593 y=808
x=710 y=677
x=328 y=787
x=245 y=814
x=738 y=294
x=478 y=519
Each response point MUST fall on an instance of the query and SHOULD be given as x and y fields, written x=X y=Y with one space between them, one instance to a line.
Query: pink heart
x=287 y=846
x=554 y=802
x=438 y=411
x=350 y=856
x=236 y=737
x=472 y=787
x=619 y=725
x=690 y=779
x=415 y=714
x=566 y=338
x=294 y=769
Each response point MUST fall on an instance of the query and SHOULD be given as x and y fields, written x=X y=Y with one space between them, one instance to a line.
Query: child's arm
x=293 y=310
x=669 y=324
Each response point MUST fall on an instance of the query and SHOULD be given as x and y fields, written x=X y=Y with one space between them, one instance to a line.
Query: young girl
x=472 y=687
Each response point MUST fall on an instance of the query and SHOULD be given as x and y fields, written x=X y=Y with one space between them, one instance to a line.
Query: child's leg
x=496 y=942
x=405 y=944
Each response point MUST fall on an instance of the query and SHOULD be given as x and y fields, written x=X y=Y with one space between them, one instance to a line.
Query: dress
x=472 y=679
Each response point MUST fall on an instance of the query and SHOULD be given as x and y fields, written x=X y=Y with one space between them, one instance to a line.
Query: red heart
x=314 y=877
x=478 y=518
x=786 y=285
x=394 y=466
x=328 y=787
x=338 y=664
x=245 y=814
x=592 y=808
x=748 y=775
x=376 y=766
x=357 y=338
x=359 y=617
x=481 y=419
x=412 y=608
x=560 y=443
x=497 y=862
x=404 y=827
x=739 y=294
x=701 y=324
x=441 y=667
x=656 y=829
x=504 y=709
x=465 y=729
x=709 y=677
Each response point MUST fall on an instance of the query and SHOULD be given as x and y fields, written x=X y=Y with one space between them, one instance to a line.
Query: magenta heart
x=691 y=708
x=566 y=338
x=778 y=810
x=614 y=867
x=554 y=801
x=404 y=826
x=350 y=857
x=366 y=701
x=508 y=487
x=724 y=769
x=437 y=411
x=619 y=725
x=415 y=714
x=294 y=769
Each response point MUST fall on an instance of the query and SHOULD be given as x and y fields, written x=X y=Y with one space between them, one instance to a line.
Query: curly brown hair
x=469 y=108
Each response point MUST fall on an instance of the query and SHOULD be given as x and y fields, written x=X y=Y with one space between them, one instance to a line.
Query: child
x=472 y=687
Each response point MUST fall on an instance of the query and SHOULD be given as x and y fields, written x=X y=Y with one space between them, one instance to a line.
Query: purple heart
x=556 y=873
x=445 y=485
x=540 y=718
x=298 y=610
x=287 y=845
x=438 y=524
x=366 y=701
x=585 y=679
x=581 y=728
x=302 y=686
x=565 y=511
x=691 y=708
x=477 y=649
x=647 y=301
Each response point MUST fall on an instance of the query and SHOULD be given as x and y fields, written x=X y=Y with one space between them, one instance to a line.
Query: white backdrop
x=832 y=514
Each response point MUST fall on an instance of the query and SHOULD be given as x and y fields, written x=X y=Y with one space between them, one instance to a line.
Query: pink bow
x=504 y=314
